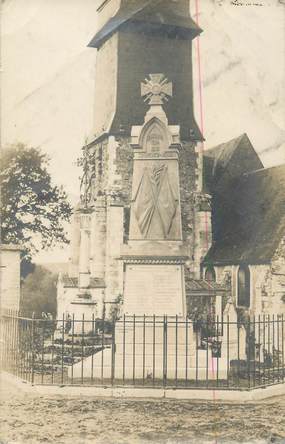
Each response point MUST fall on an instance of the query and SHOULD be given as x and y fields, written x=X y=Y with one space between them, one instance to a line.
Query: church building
x=163 y=226
x=248 y=224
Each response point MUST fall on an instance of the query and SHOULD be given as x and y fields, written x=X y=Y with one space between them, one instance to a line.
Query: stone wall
x=267 y=285
x=9 y=277
x=113 y=166
x=111 y=193
x=277 y=273
x=124 y=168
x=195 y=206
x=187 y=173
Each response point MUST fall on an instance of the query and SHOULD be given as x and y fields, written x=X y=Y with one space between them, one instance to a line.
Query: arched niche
x=243 y=286
x=155 y=137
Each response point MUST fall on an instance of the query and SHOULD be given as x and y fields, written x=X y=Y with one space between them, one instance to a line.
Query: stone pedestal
x=234 y=338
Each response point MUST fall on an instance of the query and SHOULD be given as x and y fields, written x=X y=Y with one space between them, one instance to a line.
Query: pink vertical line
x=202 y=147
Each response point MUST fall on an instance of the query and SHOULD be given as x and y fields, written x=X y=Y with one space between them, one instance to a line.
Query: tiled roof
x=71 y=282
x=202 y=287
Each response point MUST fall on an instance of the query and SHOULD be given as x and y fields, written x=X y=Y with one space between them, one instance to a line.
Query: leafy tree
x=38 y=292
x=33 y=209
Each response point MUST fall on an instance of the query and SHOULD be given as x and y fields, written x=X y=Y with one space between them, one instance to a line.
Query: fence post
x=164 y=350
x=228 y=350
x=143 y=349
x=92 y=357
x=273 y=349
x=153 y=349
x=113 y=351
x=278 y=345
x=62 y=347
x=16 y=341
x=82 y=347
x=254 y=351
x=186 y=351
x=134 y=349
x=282 y=339
x=207 y=351
x=33 y=347
x=176 y=350
x=72 y=347
x=124 y=348
x=248 y=340
x=260 y=350
x=217 y=352
x=52 y=351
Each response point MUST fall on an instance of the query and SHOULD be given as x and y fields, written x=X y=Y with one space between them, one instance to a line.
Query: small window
x=210 y=274
x=244 y=286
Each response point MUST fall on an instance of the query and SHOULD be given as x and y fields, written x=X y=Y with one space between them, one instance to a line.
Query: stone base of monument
x=125 y=371
x=148 y=351
x=235 y=346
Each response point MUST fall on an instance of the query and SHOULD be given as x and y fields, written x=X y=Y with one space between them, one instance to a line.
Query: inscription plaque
x=154 y=289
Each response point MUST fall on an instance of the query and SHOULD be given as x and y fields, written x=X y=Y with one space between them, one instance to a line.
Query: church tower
x=136 y=38
x=144 y=51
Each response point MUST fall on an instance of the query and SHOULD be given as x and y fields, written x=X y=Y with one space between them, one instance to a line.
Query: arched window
x=244 y=286
x=210 y=274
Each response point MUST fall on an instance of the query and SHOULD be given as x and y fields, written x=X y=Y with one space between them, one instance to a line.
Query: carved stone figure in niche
x=155 y=203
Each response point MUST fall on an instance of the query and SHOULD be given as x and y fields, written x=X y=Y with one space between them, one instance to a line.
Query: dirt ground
x=47 y=419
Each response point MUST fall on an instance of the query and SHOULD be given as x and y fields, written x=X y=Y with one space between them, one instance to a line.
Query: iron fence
x=144 y=351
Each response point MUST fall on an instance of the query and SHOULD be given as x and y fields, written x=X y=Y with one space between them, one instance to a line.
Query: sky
x=48 y=79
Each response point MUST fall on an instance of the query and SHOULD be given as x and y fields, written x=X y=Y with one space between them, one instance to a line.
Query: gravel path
x=47 y=419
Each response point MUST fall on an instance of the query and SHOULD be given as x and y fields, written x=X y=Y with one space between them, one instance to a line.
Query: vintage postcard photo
x=142 y=251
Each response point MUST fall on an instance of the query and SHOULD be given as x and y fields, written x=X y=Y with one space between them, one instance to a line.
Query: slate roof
x=229 y=160
x=248 y=206
x=145 y=10
x=72 y=282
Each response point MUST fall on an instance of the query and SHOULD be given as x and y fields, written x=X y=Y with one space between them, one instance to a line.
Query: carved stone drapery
x=155 y=200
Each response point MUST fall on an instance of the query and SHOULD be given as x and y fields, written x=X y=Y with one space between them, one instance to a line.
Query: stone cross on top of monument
x=156 y=89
